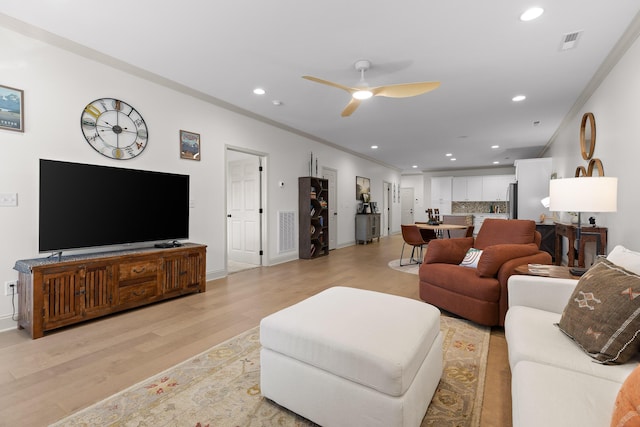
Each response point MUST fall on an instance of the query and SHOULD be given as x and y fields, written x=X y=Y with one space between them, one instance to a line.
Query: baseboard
x=7 y=324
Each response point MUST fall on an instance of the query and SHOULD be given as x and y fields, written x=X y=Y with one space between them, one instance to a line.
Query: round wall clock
x=114 y=128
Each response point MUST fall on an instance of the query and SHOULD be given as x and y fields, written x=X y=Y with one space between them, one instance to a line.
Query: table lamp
x=584 y=194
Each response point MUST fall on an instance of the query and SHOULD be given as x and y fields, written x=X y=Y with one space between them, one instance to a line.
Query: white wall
x=616 y=107
x=58 y=84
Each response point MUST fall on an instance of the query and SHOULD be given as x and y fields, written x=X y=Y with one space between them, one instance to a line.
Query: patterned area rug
x=221 y=387
x=406 y=267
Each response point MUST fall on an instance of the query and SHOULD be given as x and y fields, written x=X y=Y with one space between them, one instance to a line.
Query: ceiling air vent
x=570 y=40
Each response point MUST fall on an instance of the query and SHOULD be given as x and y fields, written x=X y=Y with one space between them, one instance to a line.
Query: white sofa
x=554 y=383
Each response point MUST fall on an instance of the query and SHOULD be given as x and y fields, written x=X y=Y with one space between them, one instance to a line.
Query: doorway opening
x=245 y=212
x=331 y=175
x=386 y=208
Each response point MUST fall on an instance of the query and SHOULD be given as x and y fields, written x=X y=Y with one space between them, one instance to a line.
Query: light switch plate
x=8 y=199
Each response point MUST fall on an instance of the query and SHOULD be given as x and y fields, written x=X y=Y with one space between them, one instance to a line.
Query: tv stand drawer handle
x=139 y=293
x=139 y=270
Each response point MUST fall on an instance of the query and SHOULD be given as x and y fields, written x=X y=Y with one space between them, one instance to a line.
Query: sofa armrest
x=543 y=293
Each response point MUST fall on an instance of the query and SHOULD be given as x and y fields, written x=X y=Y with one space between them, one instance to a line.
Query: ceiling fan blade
x=404 y=90
x=351 y=107
x=328 y=83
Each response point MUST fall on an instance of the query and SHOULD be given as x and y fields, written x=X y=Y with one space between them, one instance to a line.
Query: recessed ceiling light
x=259 y=91
x=453 y=159
x=496 y=162
x=531 y=14
x=276 y=102
x=374 y=147
x=415 y=166
x=448 y=154
x=495 y=146
x=518 y=98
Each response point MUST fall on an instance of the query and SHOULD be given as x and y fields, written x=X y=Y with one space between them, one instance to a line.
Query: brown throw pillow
x=603 y=313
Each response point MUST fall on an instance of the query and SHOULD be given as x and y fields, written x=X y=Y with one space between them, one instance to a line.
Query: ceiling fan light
x=362 y=94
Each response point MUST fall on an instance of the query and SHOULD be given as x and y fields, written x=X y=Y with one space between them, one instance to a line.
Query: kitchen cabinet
x=441 y=194
x=495 y=188
x=467 y=188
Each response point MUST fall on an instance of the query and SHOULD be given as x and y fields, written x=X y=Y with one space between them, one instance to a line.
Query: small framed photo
x=11 y=109
x=189 y=145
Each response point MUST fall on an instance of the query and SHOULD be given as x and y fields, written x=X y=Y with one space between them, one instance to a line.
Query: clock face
x=114 y=128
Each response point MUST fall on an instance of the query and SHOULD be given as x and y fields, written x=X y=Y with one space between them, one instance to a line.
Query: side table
x=591 y=234
x=555 y=271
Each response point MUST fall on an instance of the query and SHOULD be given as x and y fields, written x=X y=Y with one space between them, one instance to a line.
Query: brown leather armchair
x=479 y=294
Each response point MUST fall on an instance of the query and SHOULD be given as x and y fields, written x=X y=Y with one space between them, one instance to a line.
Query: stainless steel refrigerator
x=512 y=197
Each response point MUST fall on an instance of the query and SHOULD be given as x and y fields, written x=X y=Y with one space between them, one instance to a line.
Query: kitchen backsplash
x=478 y=207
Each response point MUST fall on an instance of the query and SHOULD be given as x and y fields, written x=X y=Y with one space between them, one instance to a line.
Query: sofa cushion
x=461 y=280
x=625 y=258
x=545 y=395
x=448 y=251
x=603 y=313
x=499 y=231
x=495 y=255
x=471 y=258
x=531 y=335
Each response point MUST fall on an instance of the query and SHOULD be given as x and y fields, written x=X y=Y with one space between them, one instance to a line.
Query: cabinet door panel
x=98 y=289
x=62 y=304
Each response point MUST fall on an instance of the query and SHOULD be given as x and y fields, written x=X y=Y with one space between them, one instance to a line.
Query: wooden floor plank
x=51 y=377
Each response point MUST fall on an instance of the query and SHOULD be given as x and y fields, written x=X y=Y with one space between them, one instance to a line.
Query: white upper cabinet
x=495 y=188
x=441 y=194
x=441 y=188
x=467 y=188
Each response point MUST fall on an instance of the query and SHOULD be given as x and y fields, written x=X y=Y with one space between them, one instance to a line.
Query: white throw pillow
x=629 y=260
x=471 y=258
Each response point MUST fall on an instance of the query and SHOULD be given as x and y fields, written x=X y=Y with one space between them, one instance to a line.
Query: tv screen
x=83 y=206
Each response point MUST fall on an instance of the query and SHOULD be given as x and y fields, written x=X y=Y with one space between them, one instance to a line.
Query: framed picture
x=363 y=186
x=11 y=109
x=189 y=145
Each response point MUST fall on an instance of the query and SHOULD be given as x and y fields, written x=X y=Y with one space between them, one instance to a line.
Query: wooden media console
x=53 y=292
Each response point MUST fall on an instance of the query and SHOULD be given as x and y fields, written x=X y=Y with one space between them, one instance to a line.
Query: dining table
x=441 y=227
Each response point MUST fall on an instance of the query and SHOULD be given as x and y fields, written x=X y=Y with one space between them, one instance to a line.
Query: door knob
x=228 y=215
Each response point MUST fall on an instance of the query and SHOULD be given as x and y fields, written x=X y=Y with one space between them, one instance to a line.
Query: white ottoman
x=350 y=357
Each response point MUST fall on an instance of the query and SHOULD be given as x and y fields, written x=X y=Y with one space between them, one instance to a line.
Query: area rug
x=221 y=387
x=406 y=267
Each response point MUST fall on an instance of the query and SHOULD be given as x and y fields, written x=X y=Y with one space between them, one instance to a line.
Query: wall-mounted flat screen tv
x=86 y=206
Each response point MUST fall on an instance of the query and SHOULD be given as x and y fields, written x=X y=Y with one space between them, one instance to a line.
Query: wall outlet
x=11 y=287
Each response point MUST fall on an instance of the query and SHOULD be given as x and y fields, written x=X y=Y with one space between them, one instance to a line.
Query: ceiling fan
x=363 y=91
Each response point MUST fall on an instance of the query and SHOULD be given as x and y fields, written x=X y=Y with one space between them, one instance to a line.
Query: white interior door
x=406 y=205
x=331 y=175
x=243 y=210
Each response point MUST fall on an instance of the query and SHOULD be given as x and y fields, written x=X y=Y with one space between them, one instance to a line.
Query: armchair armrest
x=447 y=251
x=543 y=293
x=494 y=256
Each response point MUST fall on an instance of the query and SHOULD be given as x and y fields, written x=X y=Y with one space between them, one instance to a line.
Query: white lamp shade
x=584 y=194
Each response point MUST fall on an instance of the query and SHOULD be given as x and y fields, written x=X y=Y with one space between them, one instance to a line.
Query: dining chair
x=412 y=235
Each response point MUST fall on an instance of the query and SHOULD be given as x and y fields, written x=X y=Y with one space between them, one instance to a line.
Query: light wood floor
x=46 y=379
